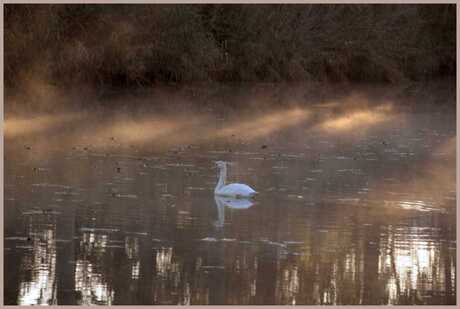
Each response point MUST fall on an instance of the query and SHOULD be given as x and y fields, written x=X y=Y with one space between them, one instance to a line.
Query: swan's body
x=235 y=190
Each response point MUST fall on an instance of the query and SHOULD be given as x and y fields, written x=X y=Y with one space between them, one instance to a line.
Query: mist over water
x=356 y=206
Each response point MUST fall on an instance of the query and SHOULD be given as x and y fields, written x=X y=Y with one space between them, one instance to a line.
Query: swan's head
x=221 y=164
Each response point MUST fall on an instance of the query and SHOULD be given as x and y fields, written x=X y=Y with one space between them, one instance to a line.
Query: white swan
x=235 y=190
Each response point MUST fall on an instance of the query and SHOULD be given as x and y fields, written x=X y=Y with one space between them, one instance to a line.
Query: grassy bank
x=104 y=47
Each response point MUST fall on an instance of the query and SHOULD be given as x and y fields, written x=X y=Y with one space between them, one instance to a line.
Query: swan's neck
x=222 y=177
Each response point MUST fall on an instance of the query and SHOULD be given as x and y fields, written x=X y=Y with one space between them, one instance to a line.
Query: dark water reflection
x=365 y=218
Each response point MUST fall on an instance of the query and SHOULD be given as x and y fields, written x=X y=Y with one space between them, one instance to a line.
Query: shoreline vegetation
x=198 y=53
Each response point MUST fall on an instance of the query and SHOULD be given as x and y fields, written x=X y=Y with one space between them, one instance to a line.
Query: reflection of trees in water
x=323 y=262
x=415 y=268
x=357 y=264
x=167 y=276
x=90 y=280
x=132 y=252
x=38 y=267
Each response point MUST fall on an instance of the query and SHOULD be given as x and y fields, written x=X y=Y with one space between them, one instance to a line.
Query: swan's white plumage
x=236 y=190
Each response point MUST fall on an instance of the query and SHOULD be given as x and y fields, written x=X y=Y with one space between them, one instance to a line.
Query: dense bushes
x=140 y=45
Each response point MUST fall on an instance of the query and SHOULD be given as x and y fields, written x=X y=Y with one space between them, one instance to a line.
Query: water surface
x=354 y=208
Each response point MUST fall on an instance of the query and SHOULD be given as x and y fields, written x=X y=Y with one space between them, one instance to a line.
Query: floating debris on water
x=212 y=267
x=93 y=229
x=66 y=193
x=51 y=185
x=348 y=200
x=25 y=247
x=180 y=165
x=20 y=238
x=208 y=239
x=293 y=242
x=196 y=188
x=131 y=196
x=41 y=212
x=63 y=240
x=137 y=233
x=273 y=243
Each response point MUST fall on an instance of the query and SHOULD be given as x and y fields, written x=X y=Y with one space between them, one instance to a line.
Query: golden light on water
x=140 y=131
x=264 y=125
x=180 y=130
x=96 y=133
x=20 y=126
x=101 y=132
x=354 y=120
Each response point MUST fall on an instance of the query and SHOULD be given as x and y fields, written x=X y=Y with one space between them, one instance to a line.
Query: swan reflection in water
x=213 y=251
x=230 y=202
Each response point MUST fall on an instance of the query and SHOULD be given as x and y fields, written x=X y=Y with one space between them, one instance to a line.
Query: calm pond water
x=354 y=208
